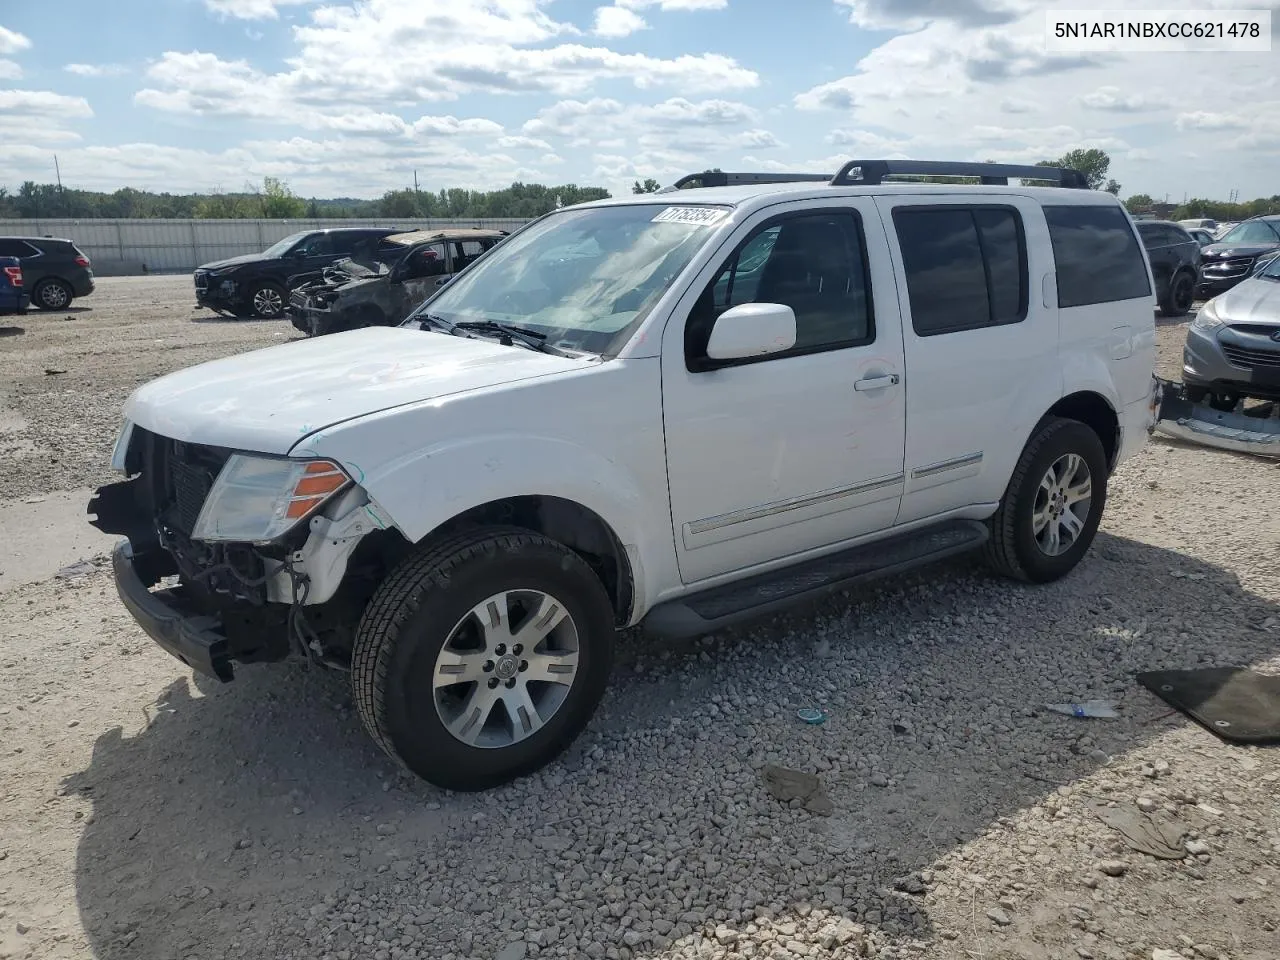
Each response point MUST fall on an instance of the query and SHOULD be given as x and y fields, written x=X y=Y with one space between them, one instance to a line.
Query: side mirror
x=442 y=281
x=752 y=330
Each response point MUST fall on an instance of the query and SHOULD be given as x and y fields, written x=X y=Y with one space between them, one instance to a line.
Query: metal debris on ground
x=786 y=785
x=1087 y=708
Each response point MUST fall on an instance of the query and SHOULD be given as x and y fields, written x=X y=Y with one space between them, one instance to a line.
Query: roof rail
x=718 y=178
x=871 y=172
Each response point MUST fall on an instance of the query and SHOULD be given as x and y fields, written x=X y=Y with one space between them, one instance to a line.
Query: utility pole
x=62 y=201
x=415 y=181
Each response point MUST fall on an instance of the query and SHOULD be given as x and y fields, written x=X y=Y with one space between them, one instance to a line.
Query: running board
x=766 y=593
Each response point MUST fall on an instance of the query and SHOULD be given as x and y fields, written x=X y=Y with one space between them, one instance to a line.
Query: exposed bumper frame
x=1199 y=423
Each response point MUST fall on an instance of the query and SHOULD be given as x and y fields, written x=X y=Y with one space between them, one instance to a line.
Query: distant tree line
x=1215 y=209
x=275 y=200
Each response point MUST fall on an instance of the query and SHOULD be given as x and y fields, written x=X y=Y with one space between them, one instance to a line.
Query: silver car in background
x=1232 y=350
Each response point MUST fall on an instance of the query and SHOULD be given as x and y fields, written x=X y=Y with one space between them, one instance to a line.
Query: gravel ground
x=149 y=814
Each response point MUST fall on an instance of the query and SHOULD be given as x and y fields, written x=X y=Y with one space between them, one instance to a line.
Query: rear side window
x=15 y=248
x=966 y=267
x=1097 y=256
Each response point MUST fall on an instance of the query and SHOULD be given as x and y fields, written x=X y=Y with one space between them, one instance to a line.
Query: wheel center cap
x=506 y=667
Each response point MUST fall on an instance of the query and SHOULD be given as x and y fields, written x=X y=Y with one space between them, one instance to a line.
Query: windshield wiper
x=532 y=339
x=430 y=319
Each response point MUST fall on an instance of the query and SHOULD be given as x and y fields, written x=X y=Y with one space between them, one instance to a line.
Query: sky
x=351 y=98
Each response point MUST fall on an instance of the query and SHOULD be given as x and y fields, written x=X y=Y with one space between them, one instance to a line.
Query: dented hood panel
x=267 y=400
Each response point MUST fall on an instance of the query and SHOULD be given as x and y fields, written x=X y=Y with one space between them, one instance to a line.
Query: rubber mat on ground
x=1240 y=706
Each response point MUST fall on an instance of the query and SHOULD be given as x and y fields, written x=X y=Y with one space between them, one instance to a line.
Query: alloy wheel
x=267 y=302
x=506 y=668
x=1062 y=504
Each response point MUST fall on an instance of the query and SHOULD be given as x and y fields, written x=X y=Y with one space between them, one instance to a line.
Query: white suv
x=678 y=410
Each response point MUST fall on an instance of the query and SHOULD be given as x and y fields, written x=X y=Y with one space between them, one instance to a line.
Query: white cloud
x=1208 y=120
x=9 y=70
x=1017 y=105
x=38 y=117
x=617 y=22
x=43 y=104
x=521 y=143
x=251 y=9
x=1117 y=101
x=914 y=14
x=12 y=42
x=385 y=52
x=96 y=69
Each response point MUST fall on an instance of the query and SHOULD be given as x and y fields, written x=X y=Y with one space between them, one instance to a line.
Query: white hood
x=268 y=400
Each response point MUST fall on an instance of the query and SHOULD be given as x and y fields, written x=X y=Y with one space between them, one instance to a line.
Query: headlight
x=258 y=499
x=121 y=449
x=1207 y=317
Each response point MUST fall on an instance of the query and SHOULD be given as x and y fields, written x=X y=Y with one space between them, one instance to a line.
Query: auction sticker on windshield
x=699 y=216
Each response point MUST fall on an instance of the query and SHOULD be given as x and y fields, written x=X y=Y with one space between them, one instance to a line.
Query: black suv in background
x=54 y=270
x=258 y=284
x=1175 y=264
x=1234 y=256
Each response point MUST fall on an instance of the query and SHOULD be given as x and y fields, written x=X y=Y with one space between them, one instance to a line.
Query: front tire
x=1052 y=507
x=481 y=659
x=52 y=294
x=267 y=301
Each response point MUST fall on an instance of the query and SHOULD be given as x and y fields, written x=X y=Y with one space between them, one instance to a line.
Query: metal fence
x=171 y=246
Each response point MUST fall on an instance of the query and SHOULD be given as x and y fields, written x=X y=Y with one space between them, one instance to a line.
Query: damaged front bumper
x=197 y=639
x=1199 y=423
x=215 y=604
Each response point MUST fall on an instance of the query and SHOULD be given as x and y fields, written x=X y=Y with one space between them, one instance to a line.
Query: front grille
x=1243 y=357
x=1225 y=269
x=1261 y=329
x=202 y=280
x=182 y=476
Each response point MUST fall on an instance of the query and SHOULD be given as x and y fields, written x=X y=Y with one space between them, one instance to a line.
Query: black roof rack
x=874 y=172
x=718 y=178
x=866 y=172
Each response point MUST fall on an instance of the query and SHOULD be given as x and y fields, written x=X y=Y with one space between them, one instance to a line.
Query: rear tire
x=1177 y=300
x=1053 y=504
x=440 y=677
x=52 y=294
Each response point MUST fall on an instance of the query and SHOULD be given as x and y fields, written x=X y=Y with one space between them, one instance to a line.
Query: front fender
x=423 y=489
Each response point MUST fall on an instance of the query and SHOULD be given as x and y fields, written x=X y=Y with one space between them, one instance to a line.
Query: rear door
x=981 y=336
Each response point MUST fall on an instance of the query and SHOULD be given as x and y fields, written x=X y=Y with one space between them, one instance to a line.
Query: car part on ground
x=258 y=284
x=1255 y=431
x=411 y=266
x=54 y=270
x=462 y=510
x=1175 y=264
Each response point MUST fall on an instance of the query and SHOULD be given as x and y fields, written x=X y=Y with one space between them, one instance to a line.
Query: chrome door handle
x=876 y=383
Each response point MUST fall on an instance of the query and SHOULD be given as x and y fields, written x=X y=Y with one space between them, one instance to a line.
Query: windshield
x=1255 y=231
x=281 y=247
x=1272 y=270
x=584 y=278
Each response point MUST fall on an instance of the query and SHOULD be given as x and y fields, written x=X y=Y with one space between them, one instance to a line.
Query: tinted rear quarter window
x=1097 y=256
x=966 y=267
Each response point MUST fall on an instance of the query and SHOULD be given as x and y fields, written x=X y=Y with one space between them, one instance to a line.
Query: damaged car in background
x=356 y=293
x=1231 y=357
